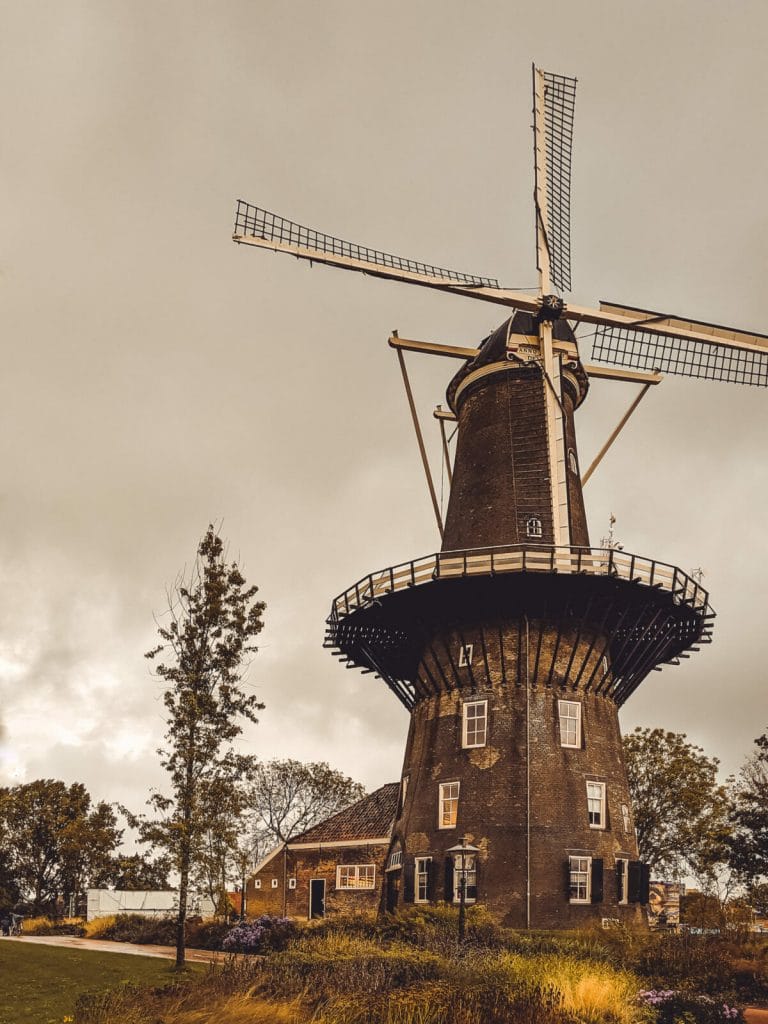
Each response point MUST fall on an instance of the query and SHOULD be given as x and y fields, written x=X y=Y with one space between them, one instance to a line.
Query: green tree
x=680 y=809
x=288 y=797
x=749 y=844
x=55 y=841
x=203 y=654
x=136 y=871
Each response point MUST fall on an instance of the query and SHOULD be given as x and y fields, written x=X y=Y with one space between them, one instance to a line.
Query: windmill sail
x=732 y=356
x=257 y=226
x=553 y=193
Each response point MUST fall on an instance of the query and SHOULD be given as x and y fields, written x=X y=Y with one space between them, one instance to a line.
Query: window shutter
x=448 y=893
x=432 y=869
x=597 y=880
x=567 y=877
x=634 y=881
x=620 y=868
x=645 y=883
x=408 y=871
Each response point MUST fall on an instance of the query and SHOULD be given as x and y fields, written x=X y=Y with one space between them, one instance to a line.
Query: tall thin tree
x=213 y=618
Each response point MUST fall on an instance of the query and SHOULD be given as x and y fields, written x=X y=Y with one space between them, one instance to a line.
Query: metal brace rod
x=420 y=441
x=617 y=430
x=446 y=453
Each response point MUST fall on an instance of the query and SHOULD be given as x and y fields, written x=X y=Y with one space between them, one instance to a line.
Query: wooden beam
x=420 y=441
x=446 y=453
x=617 y=430
x=432 y=348
x=628 y=376
x=444 y=414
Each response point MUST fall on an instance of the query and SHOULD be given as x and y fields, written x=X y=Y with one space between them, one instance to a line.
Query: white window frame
x=624 y=896
x=580 y=868
x=465 y=718
x=395 y=862
x=602 y=797
x=274 y=883
x=448 y=797
x=563 y=709
x=421 y=878
x=626 y=820
x=471 y=876
x=534 y=527
x=257 y=883
x=466 y=653
x=356 y=877
x=573 y=465
x=291 y=883
x=403 y=791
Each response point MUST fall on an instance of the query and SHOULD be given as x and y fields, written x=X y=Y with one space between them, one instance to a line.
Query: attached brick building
x=337 y=865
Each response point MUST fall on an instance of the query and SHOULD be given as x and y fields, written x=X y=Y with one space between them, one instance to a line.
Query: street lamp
x=463 y=861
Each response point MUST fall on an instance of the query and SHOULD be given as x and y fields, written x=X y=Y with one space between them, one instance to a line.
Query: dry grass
x=99 y=926
x=49 y=926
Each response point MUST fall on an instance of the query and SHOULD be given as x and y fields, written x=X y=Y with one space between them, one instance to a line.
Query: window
x=465 y=655
x=604 y=666
x=291 y=883
x=274 y=883
x=570 y=723
x=470 y=873
x=533 y=527
x=580 y=870
x=622 y=880
x=257 y=883
x=421 y=880
x=356 y=876
x=625 y=817
x=474 y=726
x=572 y=463
x=403 y=792
x=449 y=804
x=395 y=861
x=596 y=804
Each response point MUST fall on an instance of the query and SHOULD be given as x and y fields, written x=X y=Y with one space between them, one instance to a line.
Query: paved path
x=198 y=956
x=755 y=1016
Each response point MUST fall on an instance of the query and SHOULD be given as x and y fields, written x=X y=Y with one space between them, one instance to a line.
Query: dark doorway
x=316 y=897
x=393 y=890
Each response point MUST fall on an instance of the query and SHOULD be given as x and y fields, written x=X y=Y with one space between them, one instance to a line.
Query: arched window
x=572 y=463
x=533 y=527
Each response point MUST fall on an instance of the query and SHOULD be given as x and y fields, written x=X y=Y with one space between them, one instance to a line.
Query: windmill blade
x=256 y=226
x=553 y=109
x=689 y=348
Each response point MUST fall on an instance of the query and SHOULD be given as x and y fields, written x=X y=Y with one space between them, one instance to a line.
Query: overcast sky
x=156 y=377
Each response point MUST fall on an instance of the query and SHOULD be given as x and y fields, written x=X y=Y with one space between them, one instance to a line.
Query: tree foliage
x=136 y=871
x=213 y=618
x=288 y=797
x=54 y=840
x=749 y=844
x=680 y=809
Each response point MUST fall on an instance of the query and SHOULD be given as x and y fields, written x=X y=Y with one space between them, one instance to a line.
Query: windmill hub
x=552 y=308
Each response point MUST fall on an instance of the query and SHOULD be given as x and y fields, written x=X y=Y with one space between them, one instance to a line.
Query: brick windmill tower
x=514 y=646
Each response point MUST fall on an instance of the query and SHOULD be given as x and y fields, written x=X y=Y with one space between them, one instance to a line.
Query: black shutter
x=597 y=880
x=621 y=867
x=431 y=880
x=408 y=870
x=567 y=878
x=645 y=883
x=634 y=881
x=448 y=893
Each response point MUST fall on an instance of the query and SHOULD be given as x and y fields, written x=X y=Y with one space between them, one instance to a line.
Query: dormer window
x=533 y=527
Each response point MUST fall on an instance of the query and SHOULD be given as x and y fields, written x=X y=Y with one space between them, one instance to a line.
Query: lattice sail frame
x=256 y=222
x=559 y=106
x=641 y=350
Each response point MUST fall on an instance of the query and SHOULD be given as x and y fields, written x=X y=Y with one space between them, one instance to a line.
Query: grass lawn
x=40 y=984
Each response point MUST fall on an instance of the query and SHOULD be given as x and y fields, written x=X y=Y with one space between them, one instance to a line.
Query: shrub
x=206 y=934
x=52 y=926
x=266 y=934
x=139 y=928
x=674 y=1007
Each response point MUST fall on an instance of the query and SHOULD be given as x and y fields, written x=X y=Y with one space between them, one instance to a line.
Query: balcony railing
x=517 y=558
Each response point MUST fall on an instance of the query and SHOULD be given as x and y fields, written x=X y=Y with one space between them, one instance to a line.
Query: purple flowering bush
x=265 y=934
x=675 y=1007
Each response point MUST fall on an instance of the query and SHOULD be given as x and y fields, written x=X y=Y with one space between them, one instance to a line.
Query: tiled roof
x=369 y=818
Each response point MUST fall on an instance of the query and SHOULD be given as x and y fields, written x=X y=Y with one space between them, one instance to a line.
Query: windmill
x=514 y=645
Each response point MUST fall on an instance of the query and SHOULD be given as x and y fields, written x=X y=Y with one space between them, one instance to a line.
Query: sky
x=158 y=377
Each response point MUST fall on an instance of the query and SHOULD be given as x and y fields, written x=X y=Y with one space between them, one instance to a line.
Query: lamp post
x=463 y=856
